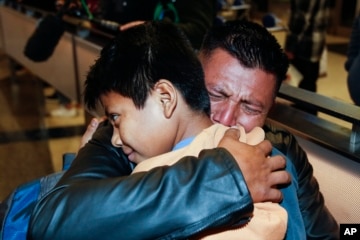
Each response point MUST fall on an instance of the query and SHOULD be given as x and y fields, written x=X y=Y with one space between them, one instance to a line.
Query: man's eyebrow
x=219 y=88
x=223 y=91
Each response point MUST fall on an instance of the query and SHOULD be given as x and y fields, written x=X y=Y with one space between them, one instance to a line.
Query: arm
x=319 y=222
x=97 y=200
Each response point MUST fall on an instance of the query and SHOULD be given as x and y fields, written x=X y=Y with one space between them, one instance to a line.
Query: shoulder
x=278 y=136
x=286 y=143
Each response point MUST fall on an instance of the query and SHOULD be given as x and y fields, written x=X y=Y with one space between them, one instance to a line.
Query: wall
x=339 y=180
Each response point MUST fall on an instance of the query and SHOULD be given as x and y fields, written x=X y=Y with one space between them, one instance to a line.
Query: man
x=242 y=80
x=111 y=203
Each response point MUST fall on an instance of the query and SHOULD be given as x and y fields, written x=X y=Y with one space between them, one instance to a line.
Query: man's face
x=238 y=95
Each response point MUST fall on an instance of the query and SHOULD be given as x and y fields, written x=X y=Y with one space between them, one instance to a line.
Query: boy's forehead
x=111 y=99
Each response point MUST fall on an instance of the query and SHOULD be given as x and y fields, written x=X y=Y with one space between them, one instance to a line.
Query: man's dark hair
x=138 y=57
x=251 y=44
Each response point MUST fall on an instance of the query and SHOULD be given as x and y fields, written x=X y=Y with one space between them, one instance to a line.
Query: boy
x=151 y=83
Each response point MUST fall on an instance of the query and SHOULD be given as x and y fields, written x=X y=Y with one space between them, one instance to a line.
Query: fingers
x=232 y=133
x=273 y=195
x=265 y=146
x=278 y=174
x=90 y=130
x=277 y=162
x=130 y=25
x=280 y=178
x=277 y=178
x=262 y=173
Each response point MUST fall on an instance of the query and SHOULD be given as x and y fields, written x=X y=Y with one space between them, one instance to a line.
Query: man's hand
x=131 y=24
x=261 y=172
x=90 y=130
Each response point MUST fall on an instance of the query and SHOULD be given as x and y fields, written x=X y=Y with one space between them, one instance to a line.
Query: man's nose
x=226 y=115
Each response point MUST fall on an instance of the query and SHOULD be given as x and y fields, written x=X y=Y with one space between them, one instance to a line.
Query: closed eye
x=251 y=108
x=217 y=96
x=248 y=109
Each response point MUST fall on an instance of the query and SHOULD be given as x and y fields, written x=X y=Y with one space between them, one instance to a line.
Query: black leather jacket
x=319 y=222
x=96 y=199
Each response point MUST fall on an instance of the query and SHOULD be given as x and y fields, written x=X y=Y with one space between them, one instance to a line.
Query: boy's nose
x=115 y=139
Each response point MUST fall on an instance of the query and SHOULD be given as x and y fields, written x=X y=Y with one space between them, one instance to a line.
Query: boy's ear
x=167 y=94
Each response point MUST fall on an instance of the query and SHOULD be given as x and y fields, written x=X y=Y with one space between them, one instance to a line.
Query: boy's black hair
x=137 y=58
x=251 y=44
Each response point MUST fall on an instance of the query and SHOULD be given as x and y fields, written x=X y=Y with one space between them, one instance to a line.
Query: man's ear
x=167 y=94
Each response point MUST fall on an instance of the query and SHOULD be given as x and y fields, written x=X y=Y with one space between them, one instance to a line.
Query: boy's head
x=137 y=58
x=151 y=85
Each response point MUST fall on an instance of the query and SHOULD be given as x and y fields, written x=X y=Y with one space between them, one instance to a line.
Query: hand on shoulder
x=262 y=173
x=90 y=130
